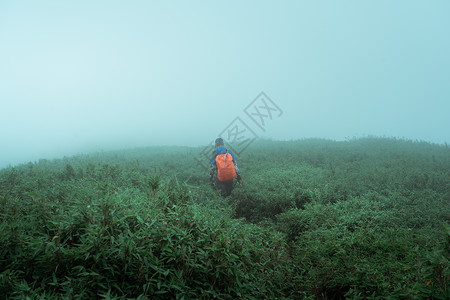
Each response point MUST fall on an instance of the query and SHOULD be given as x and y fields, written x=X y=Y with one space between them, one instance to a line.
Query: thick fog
x=82 y=76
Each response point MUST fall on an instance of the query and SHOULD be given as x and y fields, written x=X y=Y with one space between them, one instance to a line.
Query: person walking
x=223 y=165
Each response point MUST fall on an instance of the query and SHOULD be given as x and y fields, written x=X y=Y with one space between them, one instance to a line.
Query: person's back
x=223 y=163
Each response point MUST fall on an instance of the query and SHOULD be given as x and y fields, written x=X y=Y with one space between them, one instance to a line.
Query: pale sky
x=81 y=76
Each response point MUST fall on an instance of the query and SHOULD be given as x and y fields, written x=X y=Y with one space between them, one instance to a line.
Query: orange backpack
x=225 y=167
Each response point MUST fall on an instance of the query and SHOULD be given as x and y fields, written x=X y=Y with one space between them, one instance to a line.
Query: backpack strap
x=225 y=156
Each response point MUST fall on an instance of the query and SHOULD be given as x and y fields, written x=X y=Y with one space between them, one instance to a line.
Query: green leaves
x=358 y=219
x=103 y=240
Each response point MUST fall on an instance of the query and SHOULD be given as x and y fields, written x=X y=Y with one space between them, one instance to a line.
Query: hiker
x=224 y=162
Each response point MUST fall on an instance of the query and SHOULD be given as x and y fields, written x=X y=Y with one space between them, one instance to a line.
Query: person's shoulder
x=232 y=154
x=214 y=152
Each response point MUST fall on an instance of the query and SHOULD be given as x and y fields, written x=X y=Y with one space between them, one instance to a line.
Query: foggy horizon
x=84 y=77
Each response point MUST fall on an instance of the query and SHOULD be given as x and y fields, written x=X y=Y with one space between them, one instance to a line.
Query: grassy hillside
x=366 y=218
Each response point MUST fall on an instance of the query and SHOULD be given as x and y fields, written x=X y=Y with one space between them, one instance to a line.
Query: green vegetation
x=367 y=218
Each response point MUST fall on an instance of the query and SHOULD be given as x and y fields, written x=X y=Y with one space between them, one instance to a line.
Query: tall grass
x=366 y=218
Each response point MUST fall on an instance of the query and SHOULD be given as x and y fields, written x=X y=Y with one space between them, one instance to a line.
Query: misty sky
x=80 y=76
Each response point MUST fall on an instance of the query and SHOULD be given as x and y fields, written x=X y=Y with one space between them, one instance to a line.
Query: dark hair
x=219 y=141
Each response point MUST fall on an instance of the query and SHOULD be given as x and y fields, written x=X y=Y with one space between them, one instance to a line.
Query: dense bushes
x=98 y=239
x=366 y=218
x=367 y=246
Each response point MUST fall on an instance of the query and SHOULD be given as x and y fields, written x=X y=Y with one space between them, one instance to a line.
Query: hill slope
x=314 y=218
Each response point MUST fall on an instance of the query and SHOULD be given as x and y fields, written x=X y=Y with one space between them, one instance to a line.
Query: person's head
x=219 y=142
